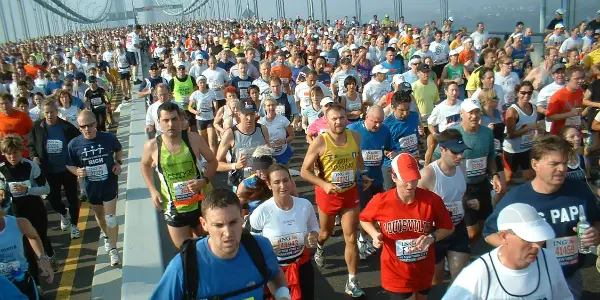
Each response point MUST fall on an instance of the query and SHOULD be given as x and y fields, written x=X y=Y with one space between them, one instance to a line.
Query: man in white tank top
x=519 y=268
x=445 y=178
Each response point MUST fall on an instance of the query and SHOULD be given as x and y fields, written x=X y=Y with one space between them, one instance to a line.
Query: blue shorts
x=284 y=158
x=458 y=241
x=103 y=191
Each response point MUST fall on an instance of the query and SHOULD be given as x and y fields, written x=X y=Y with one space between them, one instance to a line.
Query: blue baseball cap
x=455 y=145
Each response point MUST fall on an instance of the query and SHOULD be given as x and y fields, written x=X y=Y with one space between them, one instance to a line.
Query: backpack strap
x=547 y=270
x=190 y=269
x=186 y=140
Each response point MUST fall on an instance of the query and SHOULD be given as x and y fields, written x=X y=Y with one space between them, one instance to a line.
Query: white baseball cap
x=525 y=222
x=470 y=104
x=353 y=47
x=560 y=11
x=559 y=25
x=378 y=69
x=326 y=101
x=453 y=52
x=237 y=42
x=451 y=19
x=398 y=79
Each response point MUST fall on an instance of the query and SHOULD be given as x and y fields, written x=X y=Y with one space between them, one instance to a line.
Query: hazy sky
x=498 y=15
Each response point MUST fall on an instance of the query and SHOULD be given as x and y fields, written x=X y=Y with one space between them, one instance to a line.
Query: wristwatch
x=364 y=173
x=206 y=179
x=120 y=162
x=432 y=235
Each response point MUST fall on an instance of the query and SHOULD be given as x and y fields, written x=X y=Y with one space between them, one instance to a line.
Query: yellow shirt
x=426 y=96
x=237 y=50
x=592 y=58
x=339 y=162
x=473 y=82
x=455 y=44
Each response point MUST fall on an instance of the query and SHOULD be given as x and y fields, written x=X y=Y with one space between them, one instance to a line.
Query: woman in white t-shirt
x=290 y=223
x=66 y=110
x=487 y=81
x=507 y=79
x=203 y=106
x=280 y=131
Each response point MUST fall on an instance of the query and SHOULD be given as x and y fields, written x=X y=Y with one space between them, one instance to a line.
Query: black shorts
x=499 y=163
x=438 y=69
x=482 y=192
x=100 y=192
x=458 y=241
x=366 y=196
x=126 y=76
x=191 y=218
x=131 y=58
x=191 y=118
x=404 y=296
x=203 y=124
x=514 y=161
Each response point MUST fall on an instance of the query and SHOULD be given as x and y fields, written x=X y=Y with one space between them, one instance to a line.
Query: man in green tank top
x=183 y=85
x=479 y=166
x=177 y=155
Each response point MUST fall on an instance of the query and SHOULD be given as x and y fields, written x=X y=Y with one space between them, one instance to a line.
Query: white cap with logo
x=470 y=104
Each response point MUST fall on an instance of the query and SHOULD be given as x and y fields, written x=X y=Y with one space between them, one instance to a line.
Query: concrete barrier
x=142 y=252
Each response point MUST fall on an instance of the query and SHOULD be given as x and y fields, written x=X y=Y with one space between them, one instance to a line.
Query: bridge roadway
x=84 y=272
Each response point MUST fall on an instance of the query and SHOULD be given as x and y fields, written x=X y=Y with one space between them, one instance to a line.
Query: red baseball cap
x=406 y=167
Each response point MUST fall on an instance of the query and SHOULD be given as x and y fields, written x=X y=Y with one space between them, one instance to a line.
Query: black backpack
x=191 y=267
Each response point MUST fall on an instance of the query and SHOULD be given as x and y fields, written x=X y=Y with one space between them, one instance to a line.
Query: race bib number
x=456 y=210
x=7 y=268
x=566 y=249
x=206 y=107
x=96 y=101
x=331 y=60
x=406 y=251
x=54 y=146
x=280 y=110
x=11 y=187
x=527 y=139
x=343 y=179
x=476 y=166
x=372 y=158
x=97 y=173
x=244 y=93
x=244 y=84
x=573 y=121
x=289 y=244
x=181 y=191
x=409 y=143
x=497 y=145
x=354 y=106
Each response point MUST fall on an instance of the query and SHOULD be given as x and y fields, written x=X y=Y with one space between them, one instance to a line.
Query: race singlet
x=339 y=162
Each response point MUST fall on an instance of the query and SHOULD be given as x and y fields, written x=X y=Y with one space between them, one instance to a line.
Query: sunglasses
x=153 y=69
x=90 y=125
x=526 y=92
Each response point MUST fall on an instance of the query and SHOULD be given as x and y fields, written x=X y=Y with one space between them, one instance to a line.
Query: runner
x=95 y=98
x=425 y=91
x=226 y=251
x=163 y=94
x=519 y=267
x=133 y=46
x=480 y=164
x=541 y=76
x=338 y=78
x=521 y=129
x=406 y=215
x=576 y=164
x=377 y=87
x=203 y=105
x=281 y=132
x=291 y=225
x=492 y=119
x=182 y=86
x=559 y=200
x=185 y=167
x=375 y=139
x=443 y=116
x=404 y=130
x=217 y=80
x=227 y=115
x=335 y=188
x=351 y=100
x=12 y=232
x=49 y=138
x=123 y=66
x=564 y=107
x=148 y=86
x=285 y=103
x=96 y=157
x=558 y=74
x=445 y=178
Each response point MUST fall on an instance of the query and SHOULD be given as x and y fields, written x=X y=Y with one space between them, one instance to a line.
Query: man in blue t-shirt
x=222 y=254
x=97 y=158
x=375 y=140
x=560 y=201
x=404 y=133
x=391 y=63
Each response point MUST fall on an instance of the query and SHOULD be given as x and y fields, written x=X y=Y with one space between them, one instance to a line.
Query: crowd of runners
x=421 y=141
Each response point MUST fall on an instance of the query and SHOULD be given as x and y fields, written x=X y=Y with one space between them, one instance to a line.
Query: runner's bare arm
x=360 y=164
x=427 y=180
x=147 y=162
x=265 y=132
x=219 y=119
x=201 y=148
x=312 y=156
x=224 y=146
x=34 y=239
x=277 y=282
x=587 y=99
x=192 y=107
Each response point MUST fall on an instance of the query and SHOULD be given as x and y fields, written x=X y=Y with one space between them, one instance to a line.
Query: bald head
x=85 y=116
x=374 y=118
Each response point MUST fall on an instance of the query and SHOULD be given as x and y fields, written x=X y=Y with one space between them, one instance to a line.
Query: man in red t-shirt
x=406 y=215
x=564 y=107
x=14 y=121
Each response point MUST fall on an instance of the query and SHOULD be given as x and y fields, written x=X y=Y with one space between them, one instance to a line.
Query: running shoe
x=353 y=289
x=338 y=220
x=75 y=234
x=370 y=249
x=114 y=257
x=362 y=250
x=320 y=256
x=65 y=221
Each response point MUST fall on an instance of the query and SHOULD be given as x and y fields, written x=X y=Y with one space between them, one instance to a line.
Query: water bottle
x=582 y=226
x=18 y=274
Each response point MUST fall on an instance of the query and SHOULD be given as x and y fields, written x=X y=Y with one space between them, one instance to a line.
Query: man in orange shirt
x=564 y=107
x=282 y=71
x=14 y=121
x=467 y=54
x=31 y=69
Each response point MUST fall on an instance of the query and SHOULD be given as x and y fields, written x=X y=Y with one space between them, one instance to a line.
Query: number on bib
x=566 y=249
x=406 y=251
x=54 y=146
x=343 y=179
x=476 y=166
x=372 y=158
x=97 y=173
